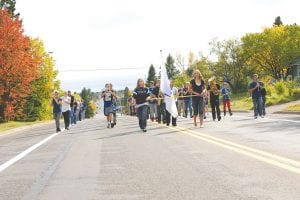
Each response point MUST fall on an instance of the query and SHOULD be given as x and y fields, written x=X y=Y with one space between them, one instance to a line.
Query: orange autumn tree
x=18 y=66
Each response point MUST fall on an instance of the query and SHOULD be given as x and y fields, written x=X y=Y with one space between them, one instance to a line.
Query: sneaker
x=219 y=118
x=201 y=126
x=262 y=116
x=112 y=125
x=230 y=114
x=144 y=130
x=255 y=117
x=108 y=125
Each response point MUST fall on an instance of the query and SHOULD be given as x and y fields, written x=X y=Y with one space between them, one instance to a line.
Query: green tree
x=87 y=95
x=272 y=51
x=202 y=63
x=230 y=65
x=278 y=21
x=10 y=5
x=151 y=74
x=38 y=106
x=171 y=68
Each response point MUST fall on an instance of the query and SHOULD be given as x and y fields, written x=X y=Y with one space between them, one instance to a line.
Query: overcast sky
x=120 y=34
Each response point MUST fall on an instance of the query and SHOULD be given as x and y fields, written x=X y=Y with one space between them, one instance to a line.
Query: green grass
x=293 y=108
x=243 y=102
x=15 y=124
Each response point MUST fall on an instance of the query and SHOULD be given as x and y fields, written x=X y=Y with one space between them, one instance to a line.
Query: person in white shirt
x=66 y=109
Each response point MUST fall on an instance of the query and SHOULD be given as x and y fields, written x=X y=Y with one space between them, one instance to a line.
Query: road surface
x=237 y=158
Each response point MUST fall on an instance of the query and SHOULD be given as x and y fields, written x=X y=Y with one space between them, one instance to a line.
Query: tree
x=151 y=74
x=230 y=65
x=9 y=5
x=37 y=106
x=18 y=67
x=278 y=21
x=87 y=95
x=272 y=51
x=171 y=68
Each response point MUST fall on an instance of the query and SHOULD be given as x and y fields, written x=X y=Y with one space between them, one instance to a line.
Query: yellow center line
x=272 y=159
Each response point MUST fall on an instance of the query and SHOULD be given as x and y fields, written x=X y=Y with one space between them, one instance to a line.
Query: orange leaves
x=18 y=66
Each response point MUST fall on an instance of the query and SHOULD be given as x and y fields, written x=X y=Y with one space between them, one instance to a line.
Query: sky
x=127 y=35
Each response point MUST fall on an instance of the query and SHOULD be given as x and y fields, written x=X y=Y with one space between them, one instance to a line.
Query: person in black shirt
x=214 y=97
x=141 y=95
x=197 y=87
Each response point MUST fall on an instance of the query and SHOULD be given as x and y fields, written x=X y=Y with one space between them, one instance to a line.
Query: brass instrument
x=213 y=85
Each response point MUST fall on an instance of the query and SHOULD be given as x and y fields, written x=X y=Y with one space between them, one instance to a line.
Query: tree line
x=27 y=75
x=269 y=53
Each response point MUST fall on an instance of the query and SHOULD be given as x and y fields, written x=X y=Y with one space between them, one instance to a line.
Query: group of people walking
x=73 y=110
x=191 y=101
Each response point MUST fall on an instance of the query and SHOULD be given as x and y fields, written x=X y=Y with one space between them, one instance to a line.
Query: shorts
x=108 y=110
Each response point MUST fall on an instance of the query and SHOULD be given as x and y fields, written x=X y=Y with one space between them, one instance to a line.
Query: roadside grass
x=293 y=108
x=243 y=101
x=16 y=124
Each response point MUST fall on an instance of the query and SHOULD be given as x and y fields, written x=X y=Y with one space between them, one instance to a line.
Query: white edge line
x=26 y=152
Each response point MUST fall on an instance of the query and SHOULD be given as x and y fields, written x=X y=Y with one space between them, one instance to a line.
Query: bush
x=280 y=87
x=91 y=109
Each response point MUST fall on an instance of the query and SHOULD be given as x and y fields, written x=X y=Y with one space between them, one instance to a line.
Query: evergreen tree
x=151 y=74
x=171 y=68
x=278 y=21
x=10 y=5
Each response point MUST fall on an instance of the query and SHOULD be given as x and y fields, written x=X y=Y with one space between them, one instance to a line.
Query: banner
x=165 y=88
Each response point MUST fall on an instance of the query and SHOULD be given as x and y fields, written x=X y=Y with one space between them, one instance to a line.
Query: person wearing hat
x=56 y=104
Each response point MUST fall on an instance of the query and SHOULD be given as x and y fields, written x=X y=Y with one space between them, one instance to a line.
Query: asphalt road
x=237 y=158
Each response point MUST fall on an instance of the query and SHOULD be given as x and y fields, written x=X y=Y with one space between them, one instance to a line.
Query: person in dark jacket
x=213 y=89
x=141 y=95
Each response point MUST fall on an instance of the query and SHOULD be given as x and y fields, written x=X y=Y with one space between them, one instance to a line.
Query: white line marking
x=26 y=152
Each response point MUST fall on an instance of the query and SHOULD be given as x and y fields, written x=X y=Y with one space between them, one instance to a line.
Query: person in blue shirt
x=141 y=94
x=56 y=104
x=226 y=92
x=255 y=90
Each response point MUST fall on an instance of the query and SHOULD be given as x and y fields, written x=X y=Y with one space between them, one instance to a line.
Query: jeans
x=257 y=105
x=264 y=105
x=180 y=107
x=72 y=116
x=56 y=117
x=153 y=110
x=67 y=118
x=142 y=115
x=215 y=106
x=187 y=106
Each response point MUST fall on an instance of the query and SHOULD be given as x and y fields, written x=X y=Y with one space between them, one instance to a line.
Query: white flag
x=168 y=94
